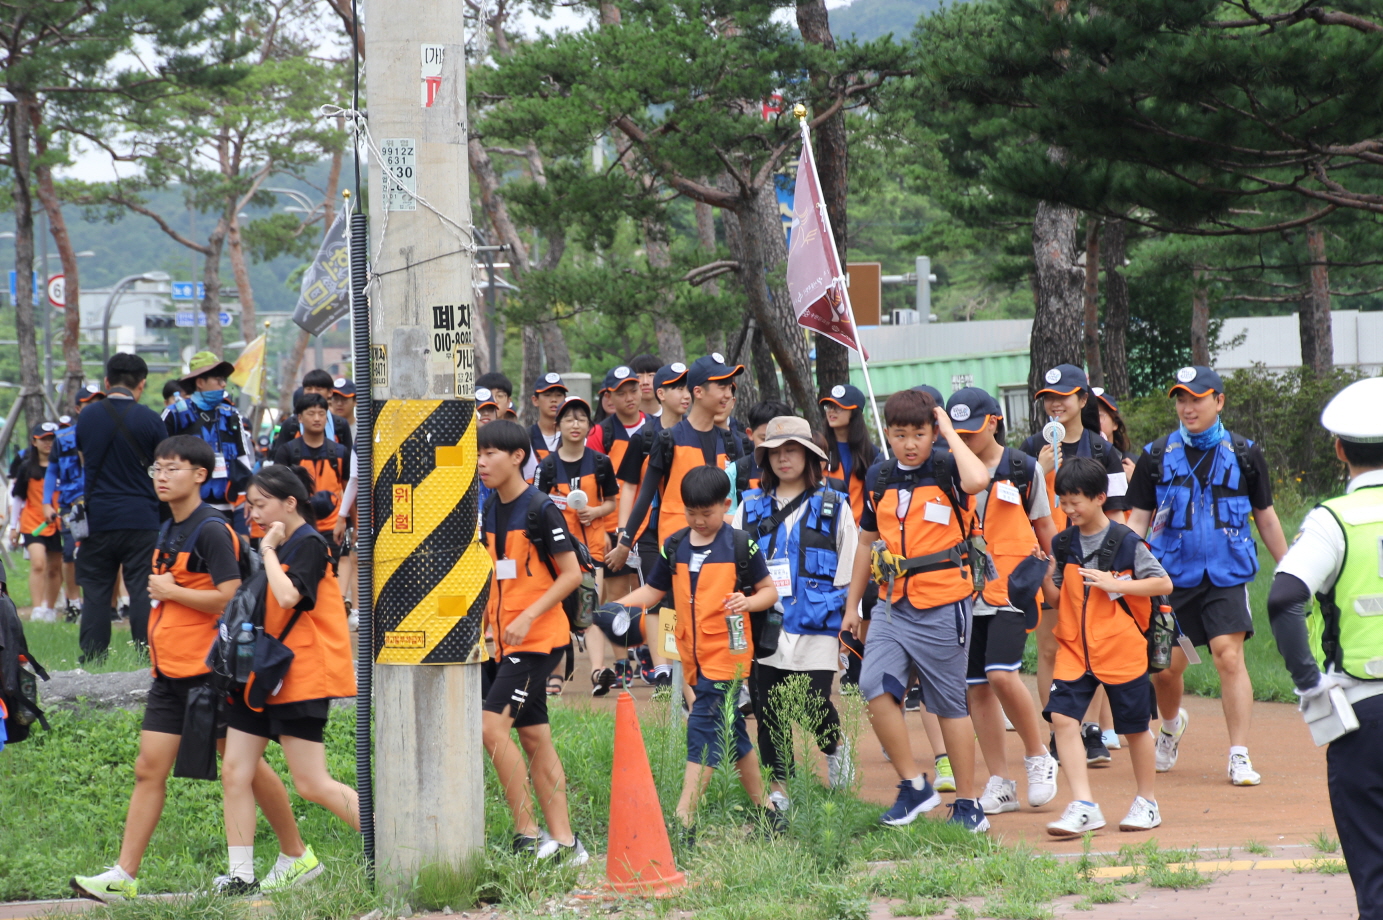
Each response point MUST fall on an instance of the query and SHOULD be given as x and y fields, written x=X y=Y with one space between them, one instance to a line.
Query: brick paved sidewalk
x=1263 y=894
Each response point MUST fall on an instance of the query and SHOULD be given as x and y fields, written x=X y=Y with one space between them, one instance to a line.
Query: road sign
x=57 y=291
x=186 y=319
x=187 y=290
x=14 y=293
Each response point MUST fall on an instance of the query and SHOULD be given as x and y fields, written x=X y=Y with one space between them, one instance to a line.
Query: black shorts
x=166 y=705
x=648 y=558
x=53 y=543
x=997 y=642
x=1132 y=703
x=606 y=622
x=1207 y=611
x=518 y=684
x=306 y=720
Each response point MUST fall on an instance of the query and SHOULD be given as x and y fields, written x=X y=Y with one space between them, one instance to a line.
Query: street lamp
x=115 y=296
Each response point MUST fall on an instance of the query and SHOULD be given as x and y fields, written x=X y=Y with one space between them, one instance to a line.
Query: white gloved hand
x=1328 y=682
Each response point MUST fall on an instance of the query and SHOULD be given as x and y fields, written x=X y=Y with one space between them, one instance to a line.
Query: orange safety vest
x=703 y=637
x=327 y=464
x=914 y=536
x=616 y=442
x=1094 y=633
x=512 y=596
x=592 y=535
x=687 y=455
x=321 y=643
x=1008 y=533
x=180 y=636
x=31 y=518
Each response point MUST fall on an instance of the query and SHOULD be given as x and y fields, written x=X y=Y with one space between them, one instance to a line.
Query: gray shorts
x=934 y=643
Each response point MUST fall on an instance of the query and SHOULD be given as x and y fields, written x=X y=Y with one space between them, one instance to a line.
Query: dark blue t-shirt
x=119 y=493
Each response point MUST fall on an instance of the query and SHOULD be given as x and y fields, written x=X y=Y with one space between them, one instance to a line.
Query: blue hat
x=670 y=375
x=971 y=407
x=89 y=392
x=549 y=381
x=931 y=391
x=1105 y=397
x=1063 y=380
x=343 y=386
x=711 y=368
x=617 y=378
x=844 y=395
x=484 y=396
x=1023 y=584
x=1198 y=381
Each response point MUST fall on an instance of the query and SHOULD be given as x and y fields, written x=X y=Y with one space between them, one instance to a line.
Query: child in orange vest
x=1101 y=579
x=699 y=566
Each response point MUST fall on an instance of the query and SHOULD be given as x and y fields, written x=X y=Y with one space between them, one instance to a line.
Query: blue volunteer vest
x=224 y=436
x=1200 y=531
x=71 y=478
x=816 y=605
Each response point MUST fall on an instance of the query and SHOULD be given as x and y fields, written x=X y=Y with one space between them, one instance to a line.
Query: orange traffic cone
x=639 y=859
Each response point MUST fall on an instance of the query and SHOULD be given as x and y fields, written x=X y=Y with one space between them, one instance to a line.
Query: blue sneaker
x=969 y=815
x=911 y=803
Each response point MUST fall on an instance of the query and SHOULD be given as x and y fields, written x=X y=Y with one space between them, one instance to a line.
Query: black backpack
x=246 y=556
x=580 y=604
x=19 y=675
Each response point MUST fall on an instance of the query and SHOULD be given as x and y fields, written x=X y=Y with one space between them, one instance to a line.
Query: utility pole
x=431 y=578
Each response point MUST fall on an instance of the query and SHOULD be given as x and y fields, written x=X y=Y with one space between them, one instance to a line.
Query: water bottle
x=244 y=653
x=1163 y=633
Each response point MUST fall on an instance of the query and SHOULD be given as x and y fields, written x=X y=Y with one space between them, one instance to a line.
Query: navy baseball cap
x=1023 y=584
x=570 y=402
x=971 y=407
x=343 y=386
x=931 y=391
x=617 y=378
x=670 y=375
x=1063 y=380
x=89 y=392
x=844 y=395
x=47 y=430
x=1198 y=381
x=65 y=421
x=1104 y=396
x=549 y=381
x=711 y=368
x=484 y=396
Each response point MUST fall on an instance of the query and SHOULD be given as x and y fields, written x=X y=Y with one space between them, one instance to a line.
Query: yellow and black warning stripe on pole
x=432 y=577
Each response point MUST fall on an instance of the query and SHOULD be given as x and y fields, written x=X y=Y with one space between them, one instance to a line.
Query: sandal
x=602 y=679
x=554 y=685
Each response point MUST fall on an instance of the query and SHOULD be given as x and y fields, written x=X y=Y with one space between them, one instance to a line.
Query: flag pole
x=800 y=111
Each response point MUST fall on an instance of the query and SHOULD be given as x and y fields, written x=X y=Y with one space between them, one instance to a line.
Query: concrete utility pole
x=431 y=578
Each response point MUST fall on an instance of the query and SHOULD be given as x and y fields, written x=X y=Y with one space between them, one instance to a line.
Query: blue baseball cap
x=669 y=375
x=1063 y=380
x=1104 y=396
x=549 y=381
x=931 y=391
x=971 y=407
x=484 y=396
x=845 y=395
x=618 y=377
x=1198 y=381
x=711 y=368
x=343 y=386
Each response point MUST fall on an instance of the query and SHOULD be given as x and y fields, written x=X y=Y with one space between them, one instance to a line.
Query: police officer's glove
x=1328 y=682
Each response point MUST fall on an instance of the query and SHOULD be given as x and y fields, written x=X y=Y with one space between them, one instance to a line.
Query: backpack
x=1021 y=472
x=580 y=604
x=1238 y=445
x=547 y=470
x=1104 y=561
x=323 y=501
x=766 y=625
x=19 y=675
x=245 y=555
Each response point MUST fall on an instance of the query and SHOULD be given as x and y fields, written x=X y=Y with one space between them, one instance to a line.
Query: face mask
x=208 y=399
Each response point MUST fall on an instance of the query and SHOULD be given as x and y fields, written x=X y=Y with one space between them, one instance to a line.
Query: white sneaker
x=1078 y=818
x=1111 y=739
x=572 y=854
x=1000 y=795
x=1241 y=771
x=1042 y=771
x=840 y=766
x=780 y=800
x=1167 y=744
x=1143 y=816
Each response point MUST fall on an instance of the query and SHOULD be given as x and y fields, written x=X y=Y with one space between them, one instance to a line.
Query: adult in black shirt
x=117 y=439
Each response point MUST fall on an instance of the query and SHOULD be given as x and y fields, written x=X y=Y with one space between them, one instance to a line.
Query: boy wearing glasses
x=196 y=571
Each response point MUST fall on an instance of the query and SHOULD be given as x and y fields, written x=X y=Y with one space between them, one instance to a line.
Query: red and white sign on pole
x=816 y=279
x=431 y=78
x=57 y=291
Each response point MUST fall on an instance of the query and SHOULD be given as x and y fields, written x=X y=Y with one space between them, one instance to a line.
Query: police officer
x=1196 y=487
x=1338 y=557
x=208 y=415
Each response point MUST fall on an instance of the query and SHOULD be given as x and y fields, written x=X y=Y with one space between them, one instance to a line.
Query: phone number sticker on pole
x=401 y=161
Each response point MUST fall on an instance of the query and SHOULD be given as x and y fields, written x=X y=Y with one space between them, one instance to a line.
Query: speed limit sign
x=57 y=291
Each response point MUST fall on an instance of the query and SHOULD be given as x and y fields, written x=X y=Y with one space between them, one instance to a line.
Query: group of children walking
x=789 y=553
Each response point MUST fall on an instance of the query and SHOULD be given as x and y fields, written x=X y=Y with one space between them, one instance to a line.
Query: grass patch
x=1323 y=866
x=1257 y=848
x=55 y=646
x=1324 y=843
x=1160 y=868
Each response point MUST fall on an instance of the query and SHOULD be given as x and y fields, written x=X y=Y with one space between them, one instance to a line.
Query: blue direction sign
x=187 y=290
x=188 y=318
x=14 y=291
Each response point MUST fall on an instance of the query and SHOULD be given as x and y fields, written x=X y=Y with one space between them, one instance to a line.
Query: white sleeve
x=1317 y=552
x=1041 y=507
x=348 y=495
x=847 y=541
x=16 y=509
x=1118 y=485
x=737 y=521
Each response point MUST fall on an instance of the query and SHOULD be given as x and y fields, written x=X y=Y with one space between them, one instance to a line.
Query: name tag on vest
x=559 y=500
x=505 y=569
x=1007 y=491
x=694 y=565
x=220 y=471
x=781 y=573
x=936 y=512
